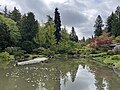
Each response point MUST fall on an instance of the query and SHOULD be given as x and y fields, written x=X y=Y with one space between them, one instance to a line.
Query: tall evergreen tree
x=83 y=39
x=116 y=23
x=73 y=36
x=110 y=22
x=64 y=35
x=4 y=35
x=98 y=26
x=29 y=27
x=15 y=15
x=57 y=22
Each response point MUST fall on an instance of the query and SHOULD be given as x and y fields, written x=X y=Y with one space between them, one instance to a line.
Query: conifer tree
x=15 y=15
x=110 y=22
x=73 y=36
x=57 y=22
x=116 y=23
x=29 y=27
x=98 y=26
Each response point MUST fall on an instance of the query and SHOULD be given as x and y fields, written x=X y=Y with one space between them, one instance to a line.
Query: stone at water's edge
x=36 y=60
x=116 y=70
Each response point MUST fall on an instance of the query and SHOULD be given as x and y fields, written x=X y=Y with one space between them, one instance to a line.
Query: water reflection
x=59 y=75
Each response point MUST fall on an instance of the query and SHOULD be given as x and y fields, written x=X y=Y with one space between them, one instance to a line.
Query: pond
x=59 y=75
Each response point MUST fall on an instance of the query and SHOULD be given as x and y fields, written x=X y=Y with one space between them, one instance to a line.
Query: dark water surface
x=59 y=75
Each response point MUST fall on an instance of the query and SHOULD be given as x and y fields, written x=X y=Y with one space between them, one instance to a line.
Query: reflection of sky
x=84 y=80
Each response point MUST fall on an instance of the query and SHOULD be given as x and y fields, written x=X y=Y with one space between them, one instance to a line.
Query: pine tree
x=4 y=35
x=116 y=23
x=57 y=22
x=15 y=15
x=64 y=35
x=73 y=36
x=98 y=26
x=110 y=22
x=29 y=27
x=83 y=39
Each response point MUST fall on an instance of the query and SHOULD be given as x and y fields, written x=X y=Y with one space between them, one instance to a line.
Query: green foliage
x=28 y=46
x=12 y=50
x=110 y=52
x=15 y=15
x=57 y=22
x=15 y=35
x=73 y=36
x=49 y=53
x=4 y=35
x=29 y=27
x=19 y=55
x=40 y=39
x=104 y=48
x=109 y=22
x=91 y=51
x=40 y=51
x=98 y=26
x=115 y=57
x=117 y=40
x=64 y=34
x=4 y=56
x=49 y=35
x=117 y=65
x=66 y=47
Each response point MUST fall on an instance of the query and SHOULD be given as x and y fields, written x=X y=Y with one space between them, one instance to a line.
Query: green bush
x=11 y=50
x=4 y=56
x=91 y=51
x=49 y=53
x=115 y=57
x=28 y=46
x=103 y=54
x=19 y=55
x=40 y=51
x=110 y=52
x=103 y=48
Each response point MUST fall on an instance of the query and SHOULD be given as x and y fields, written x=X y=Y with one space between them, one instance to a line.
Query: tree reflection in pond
x=59 y=75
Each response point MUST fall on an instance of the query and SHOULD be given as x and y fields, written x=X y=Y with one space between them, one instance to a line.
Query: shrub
x=28 y=46
x=19 y=55
x=103 y=54
x=40 y=51
x=115 y=57
x=11 y=50
x=80 y=51
x=26 y=56
x=4 y=56
x=91 y=51
x=110 y=52
x=49 y=53
x=100 y=41
x=103 y=48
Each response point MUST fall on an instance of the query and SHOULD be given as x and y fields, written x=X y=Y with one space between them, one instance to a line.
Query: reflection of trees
x=38 y=77
x=103 y=74
x=73 y=72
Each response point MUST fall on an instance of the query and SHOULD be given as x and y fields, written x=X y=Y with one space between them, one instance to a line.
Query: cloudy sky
x=80 y=14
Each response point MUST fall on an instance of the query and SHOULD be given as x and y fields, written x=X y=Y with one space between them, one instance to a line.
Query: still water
x=59 y=75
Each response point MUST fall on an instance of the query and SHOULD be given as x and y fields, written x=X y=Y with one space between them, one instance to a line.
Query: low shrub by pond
x=4 y=56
